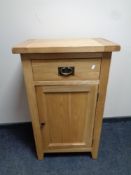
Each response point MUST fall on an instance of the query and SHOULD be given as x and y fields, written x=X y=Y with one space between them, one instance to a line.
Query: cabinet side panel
x=32 y=105
x=105 y=66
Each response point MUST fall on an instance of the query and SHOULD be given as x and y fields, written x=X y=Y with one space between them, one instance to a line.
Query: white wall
x=22 y=19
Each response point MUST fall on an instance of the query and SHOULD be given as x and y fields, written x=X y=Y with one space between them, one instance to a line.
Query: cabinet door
x=67 y=115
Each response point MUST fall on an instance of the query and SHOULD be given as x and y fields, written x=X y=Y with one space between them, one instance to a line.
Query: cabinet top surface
x=66 y=46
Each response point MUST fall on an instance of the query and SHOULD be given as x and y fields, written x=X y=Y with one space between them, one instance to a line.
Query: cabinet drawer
x=76 y=69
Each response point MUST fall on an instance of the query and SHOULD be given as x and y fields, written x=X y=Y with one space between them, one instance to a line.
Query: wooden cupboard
x=66 y=84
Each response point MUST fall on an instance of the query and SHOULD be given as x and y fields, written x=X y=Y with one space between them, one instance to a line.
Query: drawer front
x=75 y=69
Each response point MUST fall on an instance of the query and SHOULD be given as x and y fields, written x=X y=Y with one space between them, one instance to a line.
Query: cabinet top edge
x=65 y=46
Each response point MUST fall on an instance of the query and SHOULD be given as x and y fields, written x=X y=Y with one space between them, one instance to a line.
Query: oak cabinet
x=66 y=84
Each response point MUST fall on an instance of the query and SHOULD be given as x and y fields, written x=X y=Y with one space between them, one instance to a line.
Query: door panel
x=68 y=114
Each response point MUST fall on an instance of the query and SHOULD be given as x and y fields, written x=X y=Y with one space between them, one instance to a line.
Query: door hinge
x=97 y=96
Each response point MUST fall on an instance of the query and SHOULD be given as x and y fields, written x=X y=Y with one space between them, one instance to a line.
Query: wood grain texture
x=74 y=82
x=66 y=45
x=62 y=56
x=105 y=66
x=67 y=150
x=84 y=69
x=33 y=106
x=68 y=113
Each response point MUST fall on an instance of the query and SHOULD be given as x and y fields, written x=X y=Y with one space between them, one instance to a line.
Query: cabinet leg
x=40 y=156
x=95 y=146
x=94 y=154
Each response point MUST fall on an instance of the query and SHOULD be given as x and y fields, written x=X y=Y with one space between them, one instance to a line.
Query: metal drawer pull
x=66 y=71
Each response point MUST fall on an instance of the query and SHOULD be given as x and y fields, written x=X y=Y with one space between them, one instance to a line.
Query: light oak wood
x=66 y=45
x=74 y=82
x=84 y=69
x=105 y=65
x=47 y=56
x=67 y=150
x=33 y=106
x=76 y=88
x=68 y=115
x=66 y=112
